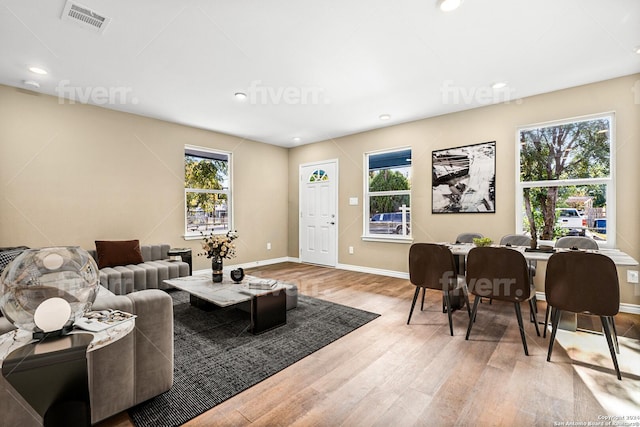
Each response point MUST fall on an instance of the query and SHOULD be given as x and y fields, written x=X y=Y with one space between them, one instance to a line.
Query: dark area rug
x=216 y=357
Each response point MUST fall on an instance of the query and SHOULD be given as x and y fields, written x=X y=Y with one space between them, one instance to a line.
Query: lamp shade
x=48 y=288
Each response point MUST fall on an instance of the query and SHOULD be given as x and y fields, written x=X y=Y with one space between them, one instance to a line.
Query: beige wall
x=72 y=174
x=491 y=123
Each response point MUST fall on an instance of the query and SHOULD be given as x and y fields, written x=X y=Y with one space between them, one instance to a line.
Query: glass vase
x=216 y=268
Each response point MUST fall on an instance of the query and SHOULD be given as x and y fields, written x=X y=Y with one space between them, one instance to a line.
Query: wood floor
x=389 y=373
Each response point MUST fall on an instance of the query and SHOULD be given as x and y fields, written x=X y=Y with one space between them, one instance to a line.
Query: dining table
x=569 y=320
x=620 y=258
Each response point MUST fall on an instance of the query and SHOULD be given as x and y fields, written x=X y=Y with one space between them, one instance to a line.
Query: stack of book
x=96 y=321
x=262 y=284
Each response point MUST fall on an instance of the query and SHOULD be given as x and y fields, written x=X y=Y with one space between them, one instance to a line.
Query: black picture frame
x=463 y=179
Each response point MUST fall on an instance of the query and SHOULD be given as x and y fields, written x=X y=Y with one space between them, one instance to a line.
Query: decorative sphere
x=38 y=275
x=52 y=314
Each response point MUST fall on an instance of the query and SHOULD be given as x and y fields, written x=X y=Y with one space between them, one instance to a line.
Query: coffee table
x=268 y=307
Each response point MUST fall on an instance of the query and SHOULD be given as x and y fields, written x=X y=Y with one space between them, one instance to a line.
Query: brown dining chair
x=571 y=242
x=524 y=240
x=583 y=282
x=501 y=274
x=431 y=266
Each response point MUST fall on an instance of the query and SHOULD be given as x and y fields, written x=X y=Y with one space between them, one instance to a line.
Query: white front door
x=318 y=213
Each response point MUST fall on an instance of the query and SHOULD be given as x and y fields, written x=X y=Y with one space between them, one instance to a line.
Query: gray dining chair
x=501 y=274
x=464 y=238
x=468 y=237
x=577 y=242
x=515 y=240
x=431 y=266
x=583 y=282
x=569 y=242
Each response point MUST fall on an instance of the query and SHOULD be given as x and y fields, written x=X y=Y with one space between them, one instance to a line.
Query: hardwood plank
x=391 y=373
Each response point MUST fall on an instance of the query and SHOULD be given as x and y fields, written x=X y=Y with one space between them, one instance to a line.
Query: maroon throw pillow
x=122 y=252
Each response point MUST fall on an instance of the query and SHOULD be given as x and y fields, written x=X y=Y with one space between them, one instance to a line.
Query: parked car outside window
x=572 y=220
x=388 y=223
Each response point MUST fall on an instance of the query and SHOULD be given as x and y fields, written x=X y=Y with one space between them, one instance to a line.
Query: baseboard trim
x=248 y=265
x=629 y=308
x=258 y=263
x=378 y=271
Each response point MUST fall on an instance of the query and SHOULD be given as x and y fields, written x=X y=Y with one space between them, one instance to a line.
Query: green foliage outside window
x=388 y=180
x=577 y=150
x=206 y=191
x=204 y=174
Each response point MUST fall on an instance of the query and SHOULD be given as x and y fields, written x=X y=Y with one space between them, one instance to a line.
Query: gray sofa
x=121 y=374
x=150 y=274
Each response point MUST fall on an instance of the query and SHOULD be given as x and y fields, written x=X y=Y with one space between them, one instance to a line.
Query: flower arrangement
x=219 y=246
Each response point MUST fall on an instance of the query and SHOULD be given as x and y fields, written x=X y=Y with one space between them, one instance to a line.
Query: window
x=566 y=179
x=207 y=191
x=387 y=195
x=318 y=175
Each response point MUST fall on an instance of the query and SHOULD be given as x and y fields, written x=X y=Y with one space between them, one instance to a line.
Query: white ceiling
x=315 y=69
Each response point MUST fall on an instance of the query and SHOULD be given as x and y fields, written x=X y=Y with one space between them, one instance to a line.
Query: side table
x=51 y=375
x=184 y=254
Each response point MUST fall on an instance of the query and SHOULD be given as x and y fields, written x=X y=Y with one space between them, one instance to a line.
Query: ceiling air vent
x=85 y=17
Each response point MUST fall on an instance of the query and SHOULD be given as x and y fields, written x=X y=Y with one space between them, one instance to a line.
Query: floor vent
x=85 y=17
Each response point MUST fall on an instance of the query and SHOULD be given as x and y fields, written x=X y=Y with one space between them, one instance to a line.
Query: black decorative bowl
x=237 y=275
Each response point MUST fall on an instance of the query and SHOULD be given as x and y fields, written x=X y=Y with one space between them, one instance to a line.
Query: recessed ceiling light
x=384 y=117
x=449 y=5
x=241 y=96
x=38 y=70
x=296 y=139
x=638 y=50
x=499 y=85
x=32 y=84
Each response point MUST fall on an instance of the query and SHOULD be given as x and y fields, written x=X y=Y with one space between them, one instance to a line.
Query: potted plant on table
x=482 y=241
x=217 y=247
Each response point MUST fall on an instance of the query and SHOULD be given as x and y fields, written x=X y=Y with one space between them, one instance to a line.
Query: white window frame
x=194 y=235
x=610 y=181
x=395 y=238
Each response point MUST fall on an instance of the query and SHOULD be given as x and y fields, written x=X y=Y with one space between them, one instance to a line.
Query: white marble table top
x=222 y=294
x=17 y=338
x=617 y=256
